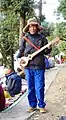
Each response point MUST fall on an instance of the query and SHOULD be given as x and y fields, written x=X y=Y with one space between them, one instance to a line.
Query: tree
x=11 y=12
x=8 y=39
x=45 y=28
x=55 y=50
x=26 y=11
x=62 y=47
x=62 y=8
x=62 y=26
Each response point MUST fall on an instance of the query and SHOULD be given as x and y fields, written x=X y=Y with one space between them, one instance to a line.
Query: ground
x=55 y=99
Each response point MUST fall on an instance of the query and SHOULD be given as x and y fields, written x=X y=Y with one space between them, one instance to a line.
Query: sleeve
x=21 y=48
x=46 y=50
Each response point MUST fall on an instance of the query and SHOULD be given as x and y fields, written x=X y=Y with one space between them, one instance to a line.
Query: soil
x=55 y=99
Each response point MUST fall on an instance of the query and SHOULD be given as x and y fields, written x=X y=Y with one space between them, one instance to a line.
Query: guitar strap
x=28 y=40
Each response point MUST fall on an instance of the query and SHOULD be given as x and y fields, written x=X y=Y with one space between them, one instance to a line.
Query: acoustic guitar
x=24 y=60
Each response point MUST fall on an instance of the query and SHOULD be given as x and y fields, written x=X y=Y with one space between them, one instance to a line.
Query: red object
x=2 y=99
x=62 y=60
x=28 y=40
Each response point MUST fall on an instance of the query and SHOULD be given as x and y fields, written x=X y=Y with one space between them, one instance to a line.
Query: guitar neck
x=41 y=49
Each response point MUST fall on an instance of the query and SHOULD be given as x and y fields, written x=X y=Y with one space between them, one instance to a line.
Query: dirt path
x=55 y=99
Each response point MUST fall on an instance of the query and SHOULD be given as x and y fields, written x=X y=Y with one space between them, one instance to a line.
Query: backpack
x=13 y=82
x=63 y=118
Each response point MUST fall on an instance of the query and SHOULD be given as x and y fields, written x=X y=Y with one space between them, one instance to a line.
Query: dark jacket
x=39 y=40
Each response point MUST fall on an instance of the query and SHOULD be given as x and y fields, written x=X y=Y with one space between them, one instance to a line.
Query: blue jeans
x=36 y=84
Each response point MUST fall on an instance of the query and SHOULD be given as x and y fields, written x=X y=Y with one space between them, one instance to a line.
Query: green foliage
x=9 y=31
x=55 y=50
x=45 y=28
x=11 y=10
x=62 y=8
x=60 y=30
x=51 y=28
x=27 y=6
x=62 y=47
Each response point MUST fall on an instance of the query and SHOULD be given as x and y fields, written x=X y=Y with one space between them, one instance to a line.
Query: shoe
x=31 y=109
x=42 y=110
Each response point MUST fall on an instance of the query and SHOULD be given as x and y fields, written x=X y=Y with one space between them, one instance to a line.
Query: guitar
x=24 y=60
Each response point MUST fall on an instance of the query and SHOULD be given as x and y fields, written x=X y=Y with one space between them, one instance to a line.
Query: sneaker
x=31 y=109
x=42 y=110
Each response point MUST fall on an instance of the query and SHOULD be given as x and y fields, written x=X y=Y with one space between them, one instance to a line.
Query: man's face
x=32 y=29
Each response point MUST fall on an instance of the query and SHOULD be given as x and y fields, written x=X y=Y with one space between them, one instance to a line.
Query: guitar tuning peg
x=50 y=46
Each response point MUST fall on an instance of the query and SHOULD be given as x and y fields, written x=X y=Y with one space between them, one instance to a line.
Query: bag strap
x=28 y=40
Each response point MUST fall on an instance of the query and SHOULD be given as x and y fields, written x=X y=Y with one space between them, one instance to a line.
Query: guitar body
x=23 y=61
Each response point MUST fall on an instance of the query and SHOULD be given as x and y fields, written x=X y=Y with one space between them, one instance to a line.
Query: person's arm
x=48 y=49
x=21 y=48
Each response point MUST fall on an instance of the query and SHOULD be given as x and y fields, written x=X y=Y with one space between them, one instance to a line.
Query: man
x=35 y=70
